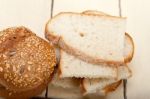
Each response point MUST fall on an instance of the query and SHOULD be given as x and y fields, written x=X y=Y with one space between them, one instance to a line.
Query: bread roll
x=26 y=61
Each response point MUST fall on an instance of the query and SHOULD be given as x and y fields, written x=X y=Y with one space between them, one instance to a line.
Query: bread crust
x=26 y=61
x=131 y=54
x=95 y=12
x=112 y=87
x=106 y=89
x=50 y=36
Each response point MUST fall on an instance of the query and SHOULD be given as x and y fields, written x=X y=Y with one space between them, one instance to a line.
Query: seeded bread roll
x=26 y=61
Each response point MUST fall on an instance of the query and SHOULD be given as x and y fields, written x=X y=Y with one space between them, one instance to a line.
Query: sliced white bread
x=70 y=66
x=92 y=85
x=93 y=38
x=129 y=44
x=74 y=84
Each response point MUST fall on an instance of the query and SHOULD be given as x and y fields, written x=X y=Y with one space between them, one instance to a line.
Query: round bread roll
x=26 y=61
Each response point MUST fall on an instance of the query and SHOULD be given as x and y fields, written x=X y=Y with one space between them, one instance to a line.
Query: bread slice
x=124 y=72
x=74 y=84
x=129 y=44
x=92 y=32
x=92 y=85
x=70 y=66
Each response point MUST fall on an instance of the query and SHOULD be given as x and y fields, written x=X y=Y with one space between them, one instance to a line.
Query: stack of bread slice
x=94 y=51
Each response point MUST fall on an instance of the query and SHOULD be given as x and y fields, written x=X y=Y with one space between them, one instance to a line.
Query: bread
x=26 y=61
x=129 y=44
x=73 y=84
x=91 y=85
x=69 y=83
x=100 y=83
x=70 y=66
x=93 y=34
x=57 y=91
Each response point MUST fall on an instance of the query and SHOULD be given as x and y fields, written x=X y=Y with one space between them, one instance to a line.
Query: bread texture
x=26 y=61
x=129 y=44
x=92 y=85
x=70 y=66
x=69 y=83
x=123 y=72
x=92 y=33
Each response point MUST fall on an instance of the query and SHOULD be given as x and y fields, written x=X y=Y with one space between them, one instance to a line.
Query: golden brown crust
x=82 y=86
x=130 y=56
x=26 y=61
x=112 y=87
x=49 y=36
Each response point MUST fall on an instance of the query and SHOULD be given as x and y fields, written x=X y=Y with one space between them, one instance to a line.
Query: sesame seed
x=26 y=75
x=1 y=69
x=21 y=54
x=29 y=68
x=12 y=53
x=7 y=65
x=4 y=56
x=14 y=68
x=29 y=62
x=5 y=76
x=10 y=94
x=28 y=45
x=38 y=69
